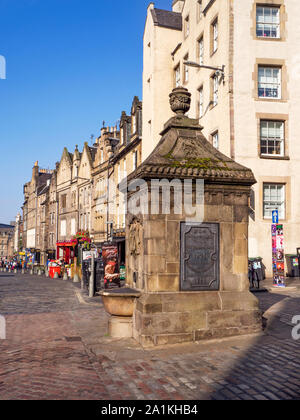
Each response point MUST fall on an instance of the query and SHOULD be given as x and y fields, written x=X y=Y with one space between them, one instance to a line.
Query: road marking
x=80 y=298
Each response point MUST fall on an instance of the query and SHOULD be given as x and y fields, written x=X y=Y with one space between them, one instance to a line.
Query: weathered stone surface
x=173 y=241
x=191 y=301
x=155 y=229
x=240 y=214
x=228 y=319
x=168 y=283
x=155 y=264
x=173 y=268
x=120 y=327
x=155 y=246
x=164 y=339
x=238 y=301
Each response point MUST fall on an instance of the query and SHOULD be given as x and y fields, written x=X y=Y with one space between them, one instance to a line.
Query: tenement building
x=6 y=241
x=239 y=61
x=35 y=213
x=118 y=154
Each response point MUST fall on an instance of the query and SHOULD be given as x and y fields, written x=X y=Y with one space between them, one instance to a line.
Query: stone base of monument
x=169 y=318
x=120 y=326
x=120 y=305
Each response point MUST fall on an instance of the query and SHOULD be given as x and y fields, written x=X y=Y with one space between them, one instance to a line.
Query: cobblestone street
x=57 y=348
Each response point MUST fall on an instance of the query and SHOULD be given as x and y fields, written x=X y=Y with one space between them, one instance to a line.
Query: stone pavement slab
x=57 y=348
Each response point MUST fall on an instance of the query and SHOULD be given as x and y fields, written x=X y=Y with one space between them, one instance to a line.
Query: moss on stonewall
x=196 y=163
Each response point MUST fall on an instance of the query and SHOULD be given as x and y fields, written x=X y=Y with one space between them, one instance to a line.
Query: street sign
x=275 y=217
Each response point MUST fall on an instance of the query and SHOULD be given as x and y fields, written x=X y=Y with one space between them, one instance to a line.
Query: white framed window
x=215 y=90
x=269 y=82
x=268 y=22
x=273 y=199
x=201 y=50
x=177 y=76
x=215 y=33
x=215 y=139
x=201 y=102
x=272 y=137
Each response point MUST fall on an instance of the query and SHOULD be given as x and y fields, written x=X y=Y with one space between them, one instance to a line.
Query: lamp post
x=219 y=70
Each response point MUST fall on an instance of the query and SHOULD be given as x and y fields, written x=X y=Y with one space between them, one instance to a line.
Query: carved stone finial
x=180 y=100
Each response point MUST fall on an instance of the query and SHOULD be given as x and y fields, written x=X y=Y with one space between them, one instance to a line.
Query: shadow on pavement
x=270 y=369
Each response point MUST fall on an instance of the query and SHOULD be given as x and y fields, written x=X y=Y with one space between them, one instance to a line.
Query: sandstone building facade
x=245 y=97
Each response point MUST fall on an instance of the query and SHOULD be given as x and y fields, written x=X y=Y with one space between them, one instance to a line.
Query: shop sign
x=87 y=255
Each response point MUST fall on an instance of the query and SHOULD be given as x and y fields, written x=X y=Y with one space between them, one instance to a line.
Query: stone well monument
x=192 y=272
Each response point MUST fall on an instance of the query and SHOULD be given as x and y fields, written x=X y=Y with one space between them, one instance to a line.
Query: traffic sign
x=275 y=217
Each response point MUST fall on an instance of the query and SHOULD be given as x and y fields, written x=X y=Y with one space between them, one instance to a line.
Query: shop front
x=66 y=251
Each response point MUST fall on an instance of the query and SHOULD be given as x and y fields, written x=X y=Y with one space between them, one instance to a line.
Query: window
x=268 y=22
x=274 y=199
x=125 y=169
x=63 y=228
x=201 y=50
x=177 y=76
x=186 y=70
x=272 y=138
x=201 y=106
x=269 y=82
x=215 y=140
x=215 y=98
x=187 y=26
x=119 y=173
x=215 y=35
x=73 y=227
x=63 y=202
x=134 y=160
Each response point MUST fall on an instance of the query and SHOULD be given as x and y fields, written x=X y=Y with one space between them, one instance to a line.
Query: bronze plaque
x=200 y=256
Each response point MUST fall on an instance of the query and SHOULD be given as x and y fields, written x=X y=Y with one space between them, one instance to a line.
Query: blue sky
x=71 y=64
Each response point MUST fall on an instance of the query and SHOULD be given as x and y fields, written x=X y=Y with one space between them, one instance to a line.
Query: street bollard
x=65 y=277
x=76 y=279
x=55 y=275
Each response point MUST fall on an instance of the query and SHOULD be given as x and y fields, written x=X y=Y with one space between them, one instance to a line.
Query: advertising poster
x=278 y=255
x=110 y=262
